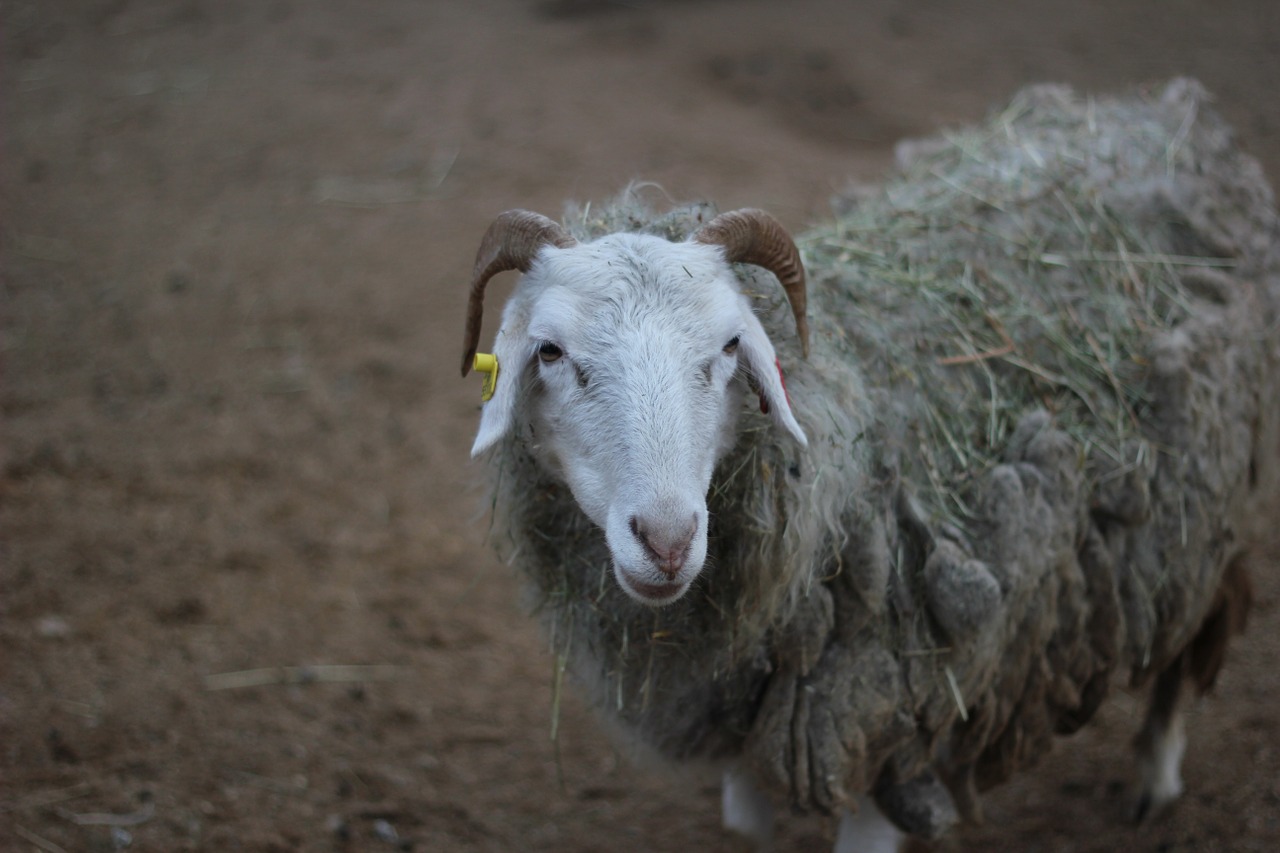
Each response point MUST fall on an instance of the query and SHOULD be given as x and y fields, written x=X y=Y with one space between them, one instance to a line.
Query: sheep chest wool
x=1033 y=440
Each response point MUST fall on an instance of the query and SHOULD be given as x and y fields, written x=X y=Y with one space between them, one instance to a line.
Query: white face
x=631 y=346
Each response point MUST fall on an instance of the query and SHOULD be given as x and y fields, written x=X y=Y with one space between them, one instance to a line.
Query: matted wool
x=1041 y=405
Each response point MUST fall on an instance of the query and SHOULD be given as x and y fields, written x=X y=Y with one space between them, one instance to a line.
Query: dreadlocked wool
x=1042 y=414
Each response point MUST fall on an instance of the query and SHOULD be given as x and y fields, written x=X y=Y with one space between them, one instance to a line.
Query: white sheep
x=849 y=597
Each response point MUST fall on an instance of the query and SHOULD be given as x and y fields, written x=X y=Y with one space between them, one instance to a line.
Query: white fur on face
x=641 y=401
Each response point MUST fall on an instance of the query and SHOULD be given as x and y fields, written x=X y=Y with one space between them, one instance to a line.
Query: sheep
x=866 y=547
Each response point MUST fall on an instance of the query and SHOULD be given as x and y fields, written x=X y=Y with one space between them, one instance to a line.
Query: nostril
x=681 y=541
x=638 y=531
x=642 y=536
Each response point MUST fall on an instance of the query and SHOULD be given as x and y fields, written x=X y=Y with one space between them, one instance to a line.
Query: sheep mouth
x=654 y=594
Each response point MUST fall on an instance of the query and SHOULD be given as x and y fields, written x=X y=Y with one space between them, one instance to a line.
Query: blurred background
x=235 y=240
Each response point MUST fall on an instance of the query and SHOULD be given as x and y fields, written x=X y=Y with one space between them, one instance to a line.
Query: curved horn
x=511 y=243
x=751 y=236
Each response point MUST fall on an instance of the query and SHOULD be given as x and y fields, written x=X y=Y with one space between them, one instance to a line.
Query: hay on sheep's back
x=997 y=276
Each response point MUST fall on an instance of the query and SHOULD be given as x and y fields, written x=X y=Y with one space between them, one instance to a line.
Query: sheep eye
x=732 y=347
x=549 y=352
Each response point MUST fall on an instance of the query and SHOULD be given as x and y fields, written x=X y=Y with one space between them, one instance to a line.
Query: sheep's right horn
x=751 y=236
x=511 y=243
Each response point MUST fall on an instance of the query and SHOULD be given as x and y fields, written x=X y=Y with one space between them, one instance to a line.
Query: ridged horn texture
x=511 y=243
x=751 y=236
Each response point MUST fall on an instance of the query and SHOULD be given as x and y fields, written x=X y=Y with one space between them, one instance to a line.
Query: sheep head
x=628 y=358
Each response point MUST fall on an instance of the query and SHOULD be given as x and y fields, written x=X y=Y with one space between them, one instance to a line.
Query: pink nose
x=666 y=544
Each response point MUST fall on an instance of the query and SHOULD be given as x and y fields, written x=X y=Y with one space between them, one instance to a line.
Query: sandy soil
x=235 y=241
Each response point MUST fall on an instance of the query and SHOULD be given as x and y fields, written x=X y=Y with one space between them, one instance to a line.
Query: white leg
x=1160 y=767
x=745 y=810
x=1160 y=745
x=867 y=831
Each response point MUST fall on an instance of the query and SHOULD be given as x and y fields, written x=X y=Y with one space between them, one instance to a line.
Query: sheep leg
x=745 y=810
x=1160 y=746
x=867 y=830
x=1163 y=738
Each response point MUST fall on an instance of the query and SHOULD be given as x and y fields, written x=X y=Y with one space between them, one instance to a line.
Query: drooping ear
x=512 y=242
x=514 y=350
x=756 y=351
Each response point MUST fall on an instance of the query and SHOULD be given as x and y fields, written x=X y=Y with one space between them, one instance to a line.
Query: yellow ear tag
x=487 y=364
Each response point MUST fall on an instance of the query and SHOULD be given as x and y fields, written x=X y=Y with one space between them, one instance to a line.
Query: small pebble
x=177 y=281
x=337 y=825
x=385 y=831
x=53 y=628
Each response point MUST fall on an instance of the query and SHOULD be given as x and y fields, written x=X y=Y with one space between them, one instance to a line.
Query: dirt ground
x=236 y=236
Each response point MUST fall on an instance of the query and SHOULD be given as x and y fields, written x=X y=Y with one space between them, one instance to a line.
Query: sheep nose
x=667 y=544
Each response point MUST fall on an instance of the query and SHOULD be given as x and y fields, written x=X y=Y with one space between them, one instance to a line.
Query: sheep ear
x=755 y=348
x=513 y=349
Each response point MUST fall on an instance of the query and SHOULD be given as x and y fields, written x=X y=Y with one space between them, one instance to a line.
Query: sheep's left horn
x=751 y=236
x=511 y=243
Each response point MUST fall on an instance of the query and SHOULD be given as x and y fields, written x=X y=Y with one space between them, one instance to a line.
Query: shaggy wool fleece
x=1041 y=405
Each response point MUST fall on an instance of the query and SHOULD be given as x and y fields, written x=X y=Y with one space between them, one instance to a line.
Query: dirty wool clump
x=1041 y=405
